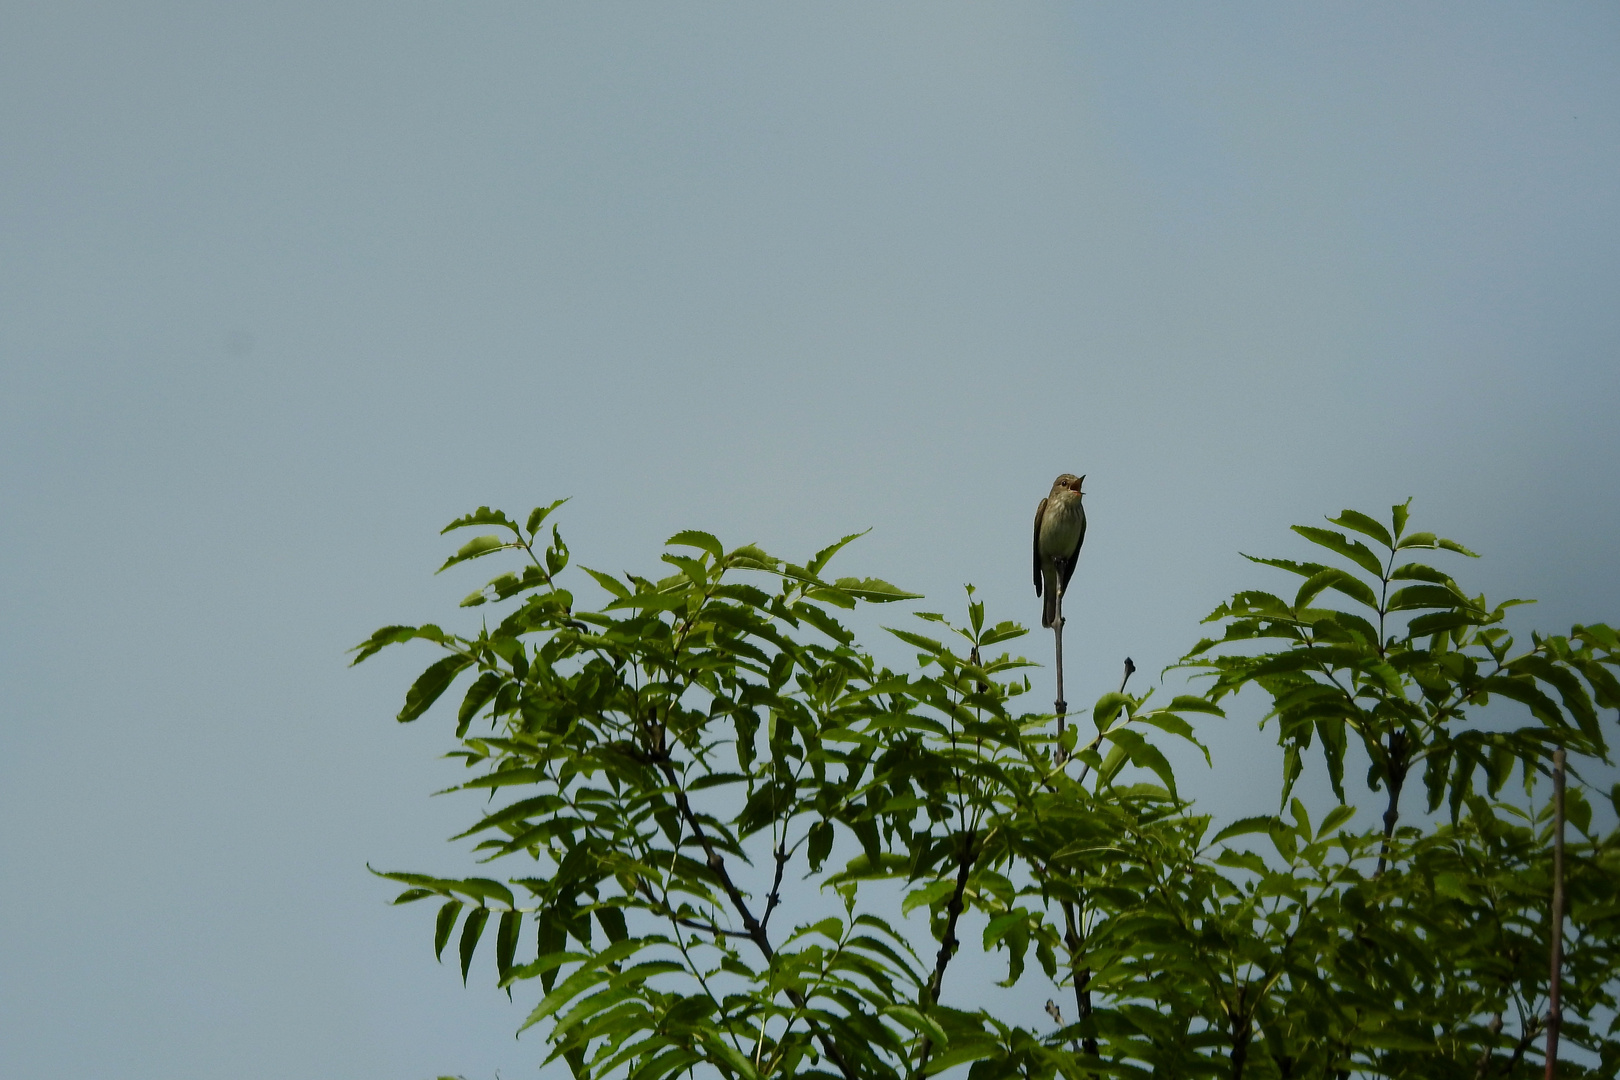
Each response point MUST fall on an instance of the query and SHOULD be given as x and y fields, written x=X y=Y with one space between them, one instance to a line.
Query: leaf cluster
x=748 y=847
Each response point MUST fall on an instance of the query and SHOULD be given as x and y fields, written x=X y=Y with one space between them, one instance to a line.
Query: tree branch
x=1080 y=972
x=947 y=940
x=753 y=930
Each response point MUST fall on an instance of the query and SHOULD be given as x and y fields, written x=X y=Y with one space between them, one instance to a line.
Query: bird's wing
x=1040 y=511
x=1066 y=566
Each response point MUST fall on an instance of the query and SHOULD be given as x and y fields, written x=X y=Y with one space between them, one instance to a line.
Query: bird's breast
x=1061 y=525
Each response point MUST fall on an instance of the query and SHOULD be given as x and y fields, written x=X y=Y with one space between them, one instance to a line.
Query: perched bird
x=1060 y=529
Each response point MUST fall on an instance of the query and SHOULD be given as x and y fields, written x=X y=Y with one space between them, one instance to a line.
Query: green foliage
x=675 y=768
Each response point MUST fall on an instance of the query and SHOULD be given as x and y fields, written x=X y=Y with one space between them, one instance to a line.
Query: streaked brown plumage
x=1060 y=529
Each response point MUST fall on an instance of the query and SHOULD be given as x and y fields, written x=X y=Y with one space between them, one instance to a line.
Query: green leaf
x=587 y=975
x=927 y=896
x=506 y=940
x=430 y=685
x=1419 y=572
x=823 y=622
x=393 y=635
x=1335 y=818
x=926 y=644
x=821 y=841
x=750 y=557
x=482 y=516
x=822 y=557
x=471 y=930
x=1144 y=755
x=1354 y=550
x=1578 y=811
x=1108 y=708
x=1361 y=523
x=613 y=924
x=478 y=695
x=873 y=590
x=1399 y=513
x=1429 y=540
x=703 y=541
x=538 y=515
x=736 y=1064
x=1302 y=820
x=1426 y=596
x=1188 y=703
x=473 y=549
x=1245 y=826
x=1424 y=625
x=445 y=923
x=1340 y=581
x=612 y=584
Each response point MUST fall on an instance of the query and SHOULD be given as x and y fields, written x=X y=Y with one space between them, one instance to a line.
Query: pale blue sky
x=283 y=288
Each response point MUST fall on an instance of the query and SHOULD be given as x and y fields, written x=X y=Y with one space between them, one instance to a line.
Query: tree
x=669 y=766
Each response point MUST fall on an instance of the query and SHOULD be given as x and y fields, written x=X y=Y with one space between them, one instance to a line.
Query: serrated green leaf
x=393 y=635
x=1354 y=550
x=430 y=685
x=478 y=695
x=926 y=644
x=822 y=557
x=1335 y=818
x=874 y=590
x=1361 y=523
x=482 y=516
x=1426 y=596
x=538 y=515
x=613 y=585
x=1245 y=826
x=693 y=538
x=1399 y=513
x=473 y=549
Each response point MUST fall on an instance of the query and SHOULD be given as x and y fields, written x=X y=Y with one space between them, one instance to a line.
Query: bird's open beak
x=1075 y=487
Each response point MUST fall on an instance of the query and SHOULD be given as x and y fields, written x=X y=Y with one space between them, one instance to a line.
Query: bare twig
x=775 y=897
x=1130 y=669
x=1059 y=706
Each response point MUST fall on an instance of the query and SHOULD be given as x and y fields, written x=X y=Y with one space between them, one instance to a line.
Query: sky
x=284 y=288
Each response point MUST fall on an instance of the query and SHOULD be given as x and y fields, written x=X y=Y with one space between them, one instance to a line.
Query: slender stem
x=1554 y=1005
x=756 y=932
x=947 y=941
x=1059 y=706
x=1395 y=767
x=1532 y=1029
x=1081 y=973
x=1484 y=1063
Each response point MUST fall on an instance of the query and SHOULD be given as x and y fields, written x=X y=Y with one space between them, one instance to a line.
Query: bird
x=1060 y=529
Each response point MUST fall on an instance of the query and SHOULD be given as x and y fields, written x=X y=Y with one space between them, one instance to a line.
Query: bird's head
x=1068 y=482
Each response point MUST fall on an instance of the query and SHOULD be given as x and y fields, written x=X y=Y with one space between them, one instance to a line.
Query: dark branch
x=753 y=930
x=947 y=940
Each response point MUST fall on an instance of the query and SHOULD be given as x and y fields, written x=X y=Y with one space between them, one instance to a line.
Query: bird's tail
x=1049 y=612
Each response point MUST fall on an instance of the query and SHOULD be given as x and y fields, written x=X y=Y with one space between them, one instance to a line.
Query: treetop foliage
x=737 y=844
